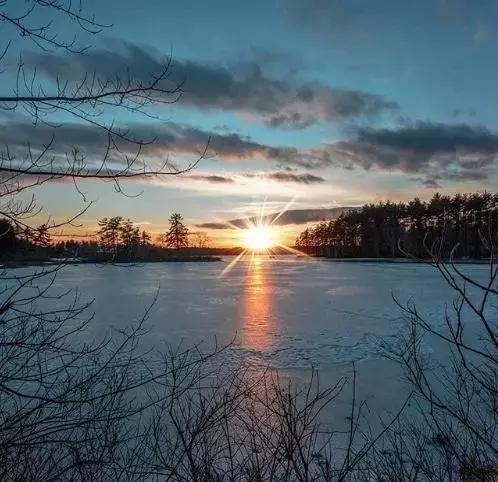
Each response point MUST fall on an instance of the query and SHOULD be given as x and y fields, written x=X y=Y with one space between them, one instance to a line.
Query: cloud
x=431 y=184
x=285 y=176
x=243 y=88
x=439 y=151
x=305 y=178
x=423 y=150
x=430 y=138
x=169 y=139
x=213 y=226
x=292 y=216
x=277 y=176
x=213 y=179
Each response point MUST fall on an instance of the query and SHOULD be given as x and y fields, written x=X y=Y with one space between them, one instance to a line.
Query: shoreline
x=212 y=259
x=399 y=260
x=54 y=262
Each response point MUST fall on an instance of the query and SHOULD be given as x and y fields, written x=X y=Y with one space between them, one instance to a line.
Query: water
x=287 y=313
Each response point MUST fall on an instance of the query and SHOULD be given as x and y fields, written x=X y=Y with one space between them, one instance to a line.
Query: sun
x=259 y=235
x=258 y=238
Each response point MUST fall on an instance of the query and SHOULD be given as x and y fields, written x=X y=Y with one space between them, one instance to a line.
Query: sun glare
x=258 y=238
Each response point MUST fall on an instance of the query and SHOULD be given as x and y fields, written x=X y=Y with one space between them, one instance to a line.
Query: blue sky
x=328 y=103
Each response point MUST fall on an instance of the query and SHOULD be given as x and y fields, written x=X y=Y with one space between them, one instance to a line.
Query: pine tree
x=8 y=239
x=130 y=239
x=110 y=235
x=177 y=236
x=145 y=238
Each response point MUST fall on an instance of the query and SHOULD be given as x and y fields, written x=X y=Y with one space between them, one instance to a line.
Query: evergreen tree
x=375 y=230
x=110 y=235
x=177 y=236
x=8 y=239
x=145 y=239
x=129 y=239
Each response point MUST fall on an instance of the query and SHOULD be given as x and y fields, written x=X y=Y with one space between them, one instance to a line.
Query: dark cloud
x=286 y=176
x=305 y=178
x=278 y=176
x=242 y=88
x=429 y=151
x=170 y=138
x=440 y=151
x=276 y=64
x=430 y=138
x=212 y=179
x=292 y=216
x=213 y=226
x=431 y=184
x=303 y=216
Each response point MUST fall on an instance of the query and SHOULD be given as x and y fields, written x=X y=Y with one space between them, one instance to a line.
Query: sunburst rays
x=260 y=237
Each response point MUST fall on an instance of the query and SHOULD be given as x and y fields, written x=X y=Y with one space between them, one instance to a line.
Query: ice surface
x=287 y=312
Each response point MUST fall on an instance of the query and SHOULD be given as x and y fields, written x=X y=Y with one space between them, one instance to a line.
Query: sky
x=308 y=104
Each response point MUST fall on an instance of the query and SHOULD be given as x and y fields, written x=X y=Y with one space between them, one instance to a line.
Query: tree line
x=117 y=238
x=390 y=229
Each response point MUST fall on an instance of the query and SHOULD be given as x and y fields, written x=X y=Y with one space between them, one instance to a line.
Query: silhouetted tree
x=130 y=239
x=201 y=240
x=70 y=409
x=8 y=239
x=50 y=107
x=451 y=430
x=119 y=238
x=41 y=236
x=145 y=239
x=177 y=236
x=110 y=235
x=376 y=230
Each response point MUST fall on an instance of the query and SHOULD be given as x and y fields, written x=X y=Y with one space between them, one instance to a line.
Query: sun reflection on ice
x=257 y=310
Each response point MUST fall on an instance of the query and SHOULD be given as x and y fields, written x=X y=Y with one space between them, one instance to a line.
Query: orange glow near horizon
x=260 y=237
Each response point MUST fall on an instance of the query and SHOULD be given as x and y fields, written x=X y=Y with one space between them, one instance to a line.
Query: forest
x=388 y=229
x=116 y=240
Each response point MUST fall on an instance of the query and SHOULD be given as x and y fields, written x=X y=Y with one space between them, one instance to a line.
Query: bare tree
x=241 y=424
x=89 y=104
x=66 y=405
x=201 y=240
x=451 y=432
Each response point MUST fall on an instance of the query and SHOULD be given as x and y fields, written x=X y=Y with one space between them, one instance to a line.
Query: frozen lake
x=287 y=313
